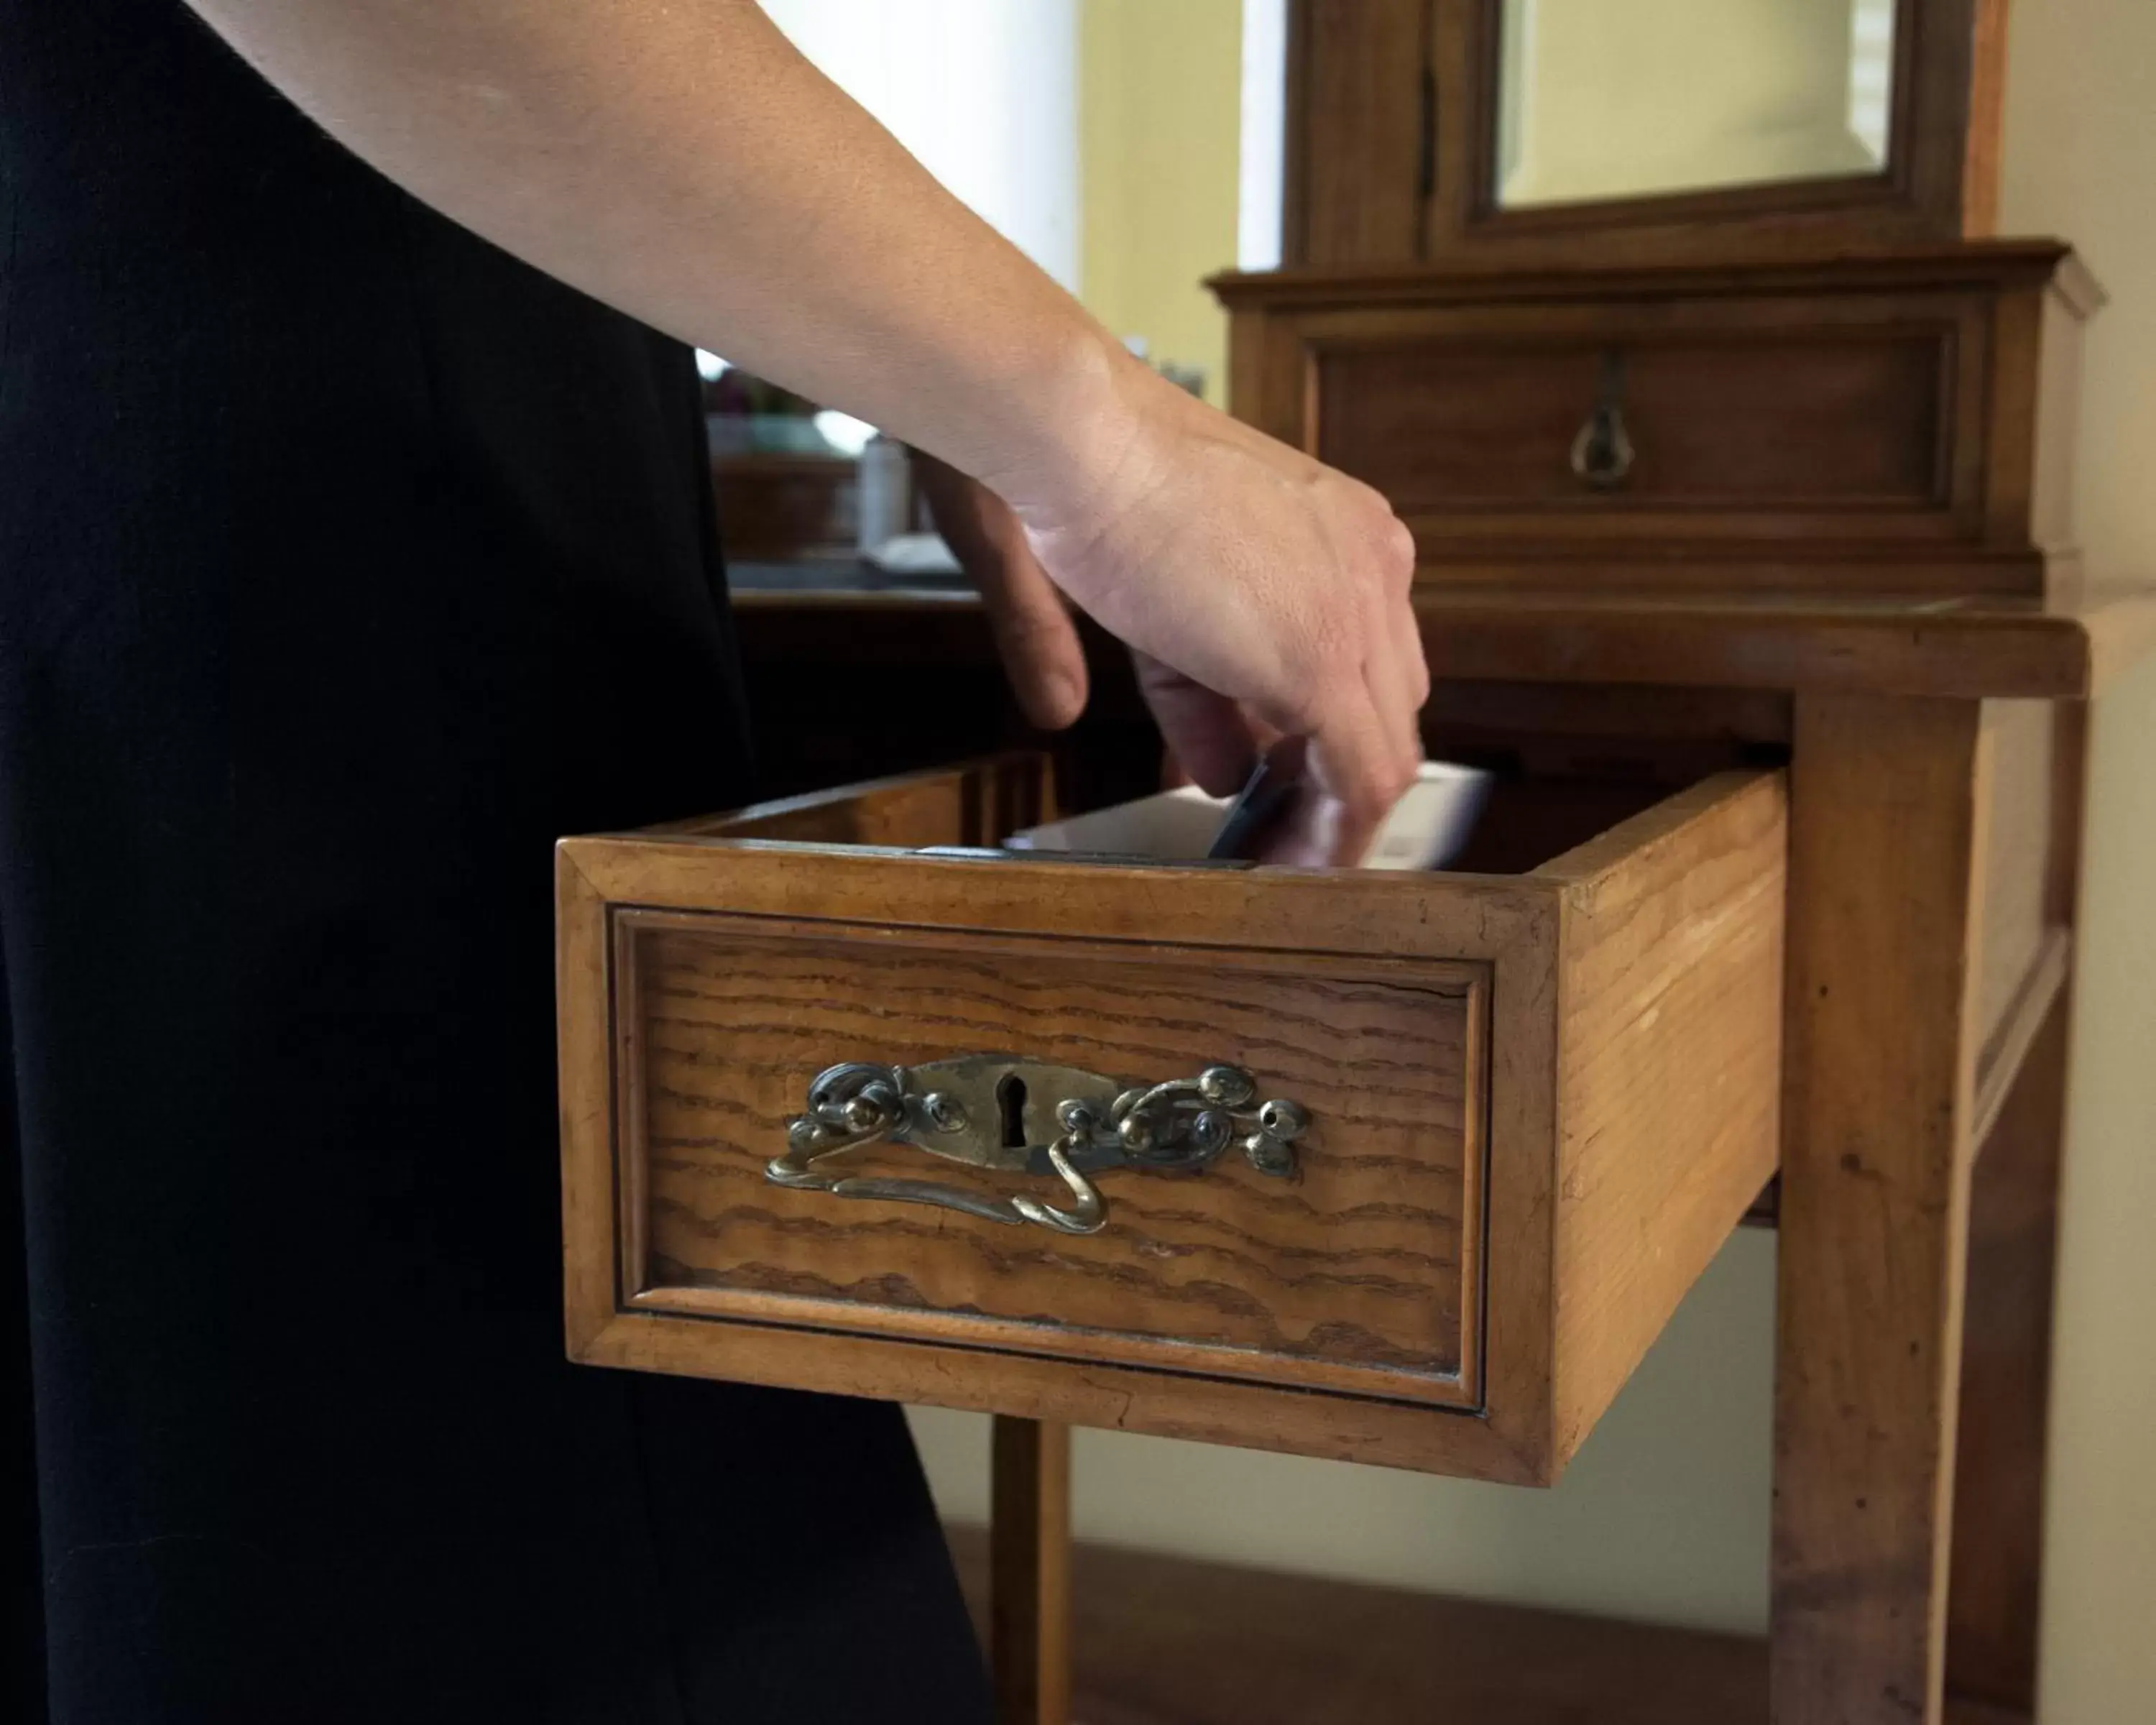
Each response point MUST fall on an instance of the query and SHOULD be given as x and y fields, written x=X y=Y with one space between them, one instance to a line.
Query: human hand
x=1035 y=637
x=1211 y=739
x=1264 y=593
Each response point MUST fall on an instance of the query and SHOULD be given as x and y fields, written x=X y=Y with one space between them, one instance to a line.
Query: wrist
x=1089 y=413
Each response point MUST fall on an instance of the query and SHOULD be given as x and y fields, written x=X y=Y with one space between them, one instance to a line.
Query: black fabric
x=345 y=563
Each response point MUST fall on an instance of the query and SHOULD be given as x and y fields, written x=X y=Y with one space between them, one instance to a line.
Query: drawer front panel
x=1358 y=1272
x=1456 y=426
x=1729 y=428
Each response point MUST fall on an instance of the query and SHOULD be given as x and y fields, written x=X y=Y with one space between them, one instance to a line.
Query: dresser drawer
x=1600 y=427
x=1899 y=422
x=1407 y=1169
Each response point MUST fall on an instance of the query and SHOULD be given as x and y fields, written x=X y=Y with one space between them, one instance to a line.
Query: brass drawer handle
x=1015 y=1116
x=1602 y=453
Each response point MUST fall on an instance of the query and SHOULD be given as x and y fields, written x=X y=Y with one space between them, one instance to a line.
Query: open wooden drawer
x=1512 y=1115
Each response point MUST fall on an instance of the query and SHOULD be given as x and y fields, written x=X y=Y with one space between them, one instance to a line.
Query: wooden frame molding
x=1392 y=108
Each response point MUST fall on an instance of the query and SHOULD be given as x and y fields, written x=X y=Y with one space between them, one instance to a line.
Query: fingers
x=1355 y=765
x=1374 y=746
x=1034 y=635
x=1385 y=677
x=1035 y=639
x=1207 y=734
x=1366 y=730
x=1406 y=636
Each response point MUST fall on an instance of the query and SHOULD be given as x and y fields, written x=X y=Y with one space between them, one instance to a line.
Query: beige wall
x=1661 y=1517
x=1160 y=85
x=1664 y=1514
x=2081 y=162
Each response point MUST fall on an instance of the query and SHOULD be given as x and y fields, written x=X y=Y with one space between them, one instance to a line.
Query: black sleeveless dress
x=345 y=563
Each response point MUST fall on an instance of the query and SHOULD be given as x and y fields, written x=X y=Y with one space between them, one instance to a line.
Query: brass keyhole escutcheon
x=971 y=1109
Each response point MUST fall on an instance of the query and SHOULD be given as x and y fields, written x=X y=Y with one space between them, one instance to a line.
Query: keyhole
x=1010 y=1102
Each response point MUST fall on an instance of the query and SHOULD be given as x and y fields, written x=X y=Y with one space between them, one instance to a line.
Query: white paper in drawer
x=1426 y=829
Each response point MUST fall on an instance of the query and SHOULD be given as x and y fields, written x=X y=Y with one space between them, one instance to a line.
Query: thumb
x=1035 y=636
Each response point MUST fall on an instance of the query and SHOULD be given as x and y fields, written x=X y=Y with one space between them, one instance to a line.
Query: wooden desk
x=1935 y=755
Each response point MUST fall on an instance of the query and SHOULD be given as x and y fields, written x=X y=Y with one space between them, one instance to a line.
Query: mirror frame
x=1392 y=140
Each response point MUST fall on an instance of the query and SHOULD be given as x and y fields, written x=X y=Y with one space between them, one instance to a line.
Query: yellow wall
x=2081 y=162
x=1660 y=96
x=1159 y=90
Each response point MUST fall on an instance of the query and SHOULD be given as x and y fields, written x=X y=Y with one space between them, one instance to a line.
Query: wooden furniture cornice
x=1706 y=261
x=2066 y=648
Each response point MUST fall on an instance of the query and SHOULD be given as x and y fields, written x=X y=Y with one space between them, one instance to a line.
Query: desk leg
x=2006 y=1346
x=1030 y=1571
x=1884 y=818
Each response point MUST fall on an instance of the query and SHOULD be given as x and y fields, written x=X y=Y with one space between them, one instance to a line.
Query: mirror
x=1600 y=100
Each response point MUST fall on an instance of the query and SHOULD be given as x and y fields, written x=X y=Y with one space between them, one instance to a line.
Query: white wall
x=985 y=92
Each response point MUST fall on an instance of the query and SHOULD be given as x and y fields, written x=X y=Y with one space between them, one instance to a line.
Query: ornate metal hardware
x=1012 y=1116
x=1602 y=453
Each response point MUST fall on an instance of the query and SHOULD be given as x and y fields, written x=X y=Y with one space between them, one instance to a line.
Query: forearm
x=678 y=159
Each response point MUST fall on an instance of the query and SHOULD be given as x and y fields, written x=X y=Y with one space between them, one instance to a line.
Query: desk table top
x=2060 y=649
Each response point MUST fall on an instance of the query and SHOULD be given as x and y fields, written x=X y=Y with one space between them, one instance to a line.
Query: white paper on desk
x=1426 y=829
x=913 y=554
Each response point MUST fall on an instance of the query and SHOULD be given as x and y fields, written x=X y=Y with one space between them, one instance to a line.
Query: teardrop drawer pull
x=1602 y=452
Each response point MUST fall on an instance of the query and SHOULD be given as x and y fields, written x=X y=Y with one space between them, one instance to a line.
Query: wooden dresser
x=1748 y=570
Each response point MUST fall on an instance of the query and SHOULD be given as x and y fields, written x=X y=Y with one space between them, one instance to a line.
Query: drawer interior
x=1532 y=815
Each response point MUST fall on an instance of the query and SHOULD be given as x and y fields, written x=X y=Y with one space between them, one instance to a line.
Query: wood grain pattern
x=1356 y=72
x=1356 y=1263
x=1508 y=925
x=1671 y=1047
x=1972 y=648
x=736 y=967
x=2060 y=646
x=1995 y=1592
x=973 y=803
x=1884 y=879
x=592 y=1250
x=1028 y=1616
x=1994 y=1595
x=1450 y=423
x=1981 y=152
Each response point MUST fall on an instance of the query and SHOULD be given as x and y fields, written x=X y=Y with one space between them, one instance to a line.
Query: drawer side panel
x=1669 y=1077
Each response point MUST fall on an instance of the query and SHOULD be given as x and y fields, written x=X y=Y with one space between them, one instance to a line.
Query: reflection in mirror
x=1615 y=99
